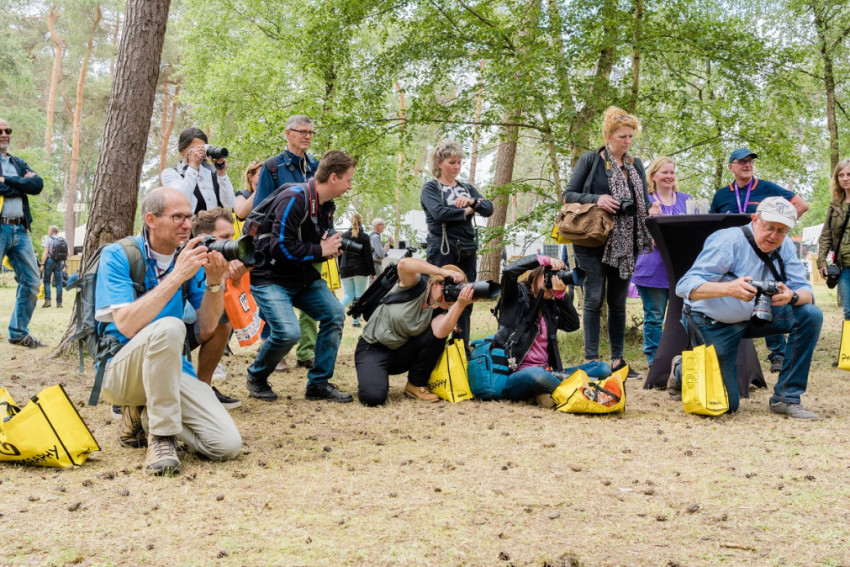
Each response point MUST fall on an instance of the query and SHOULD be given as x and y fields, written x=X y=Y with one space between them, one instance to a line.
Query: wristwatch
x=795 y=298
x=215 y=288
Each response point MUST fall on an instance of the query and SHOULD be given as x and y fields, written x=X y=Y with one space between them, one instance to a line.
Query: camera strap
x=778 y=275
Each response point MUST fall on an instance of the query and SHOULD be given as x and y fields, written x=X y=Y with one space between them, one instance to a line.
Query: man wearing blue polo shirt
x=743 y=195
x=719 y=299
x=149 y=376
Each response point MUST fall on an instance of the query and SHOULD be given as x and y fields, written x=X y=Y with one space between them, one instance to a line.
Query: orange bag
x=242 y=311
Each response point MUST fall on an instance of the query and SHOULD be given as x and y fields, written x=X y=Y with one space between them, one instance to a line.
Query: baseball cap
x=742 y=153
x=777 y=209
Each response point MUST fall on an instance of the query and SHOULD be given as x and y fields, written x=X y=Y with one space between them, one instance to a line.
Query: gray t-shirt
x=394 y=324
x=13 y=207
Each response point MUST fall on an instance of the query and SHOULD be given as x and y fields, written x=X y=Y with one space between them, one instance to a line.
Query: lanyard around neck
x=743 y=208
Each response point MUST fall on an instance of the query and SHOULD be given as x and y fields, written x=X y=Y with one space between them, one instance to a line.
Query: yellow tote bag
x=578 y=394
x=330 y=273
x=703 y=391
x=844 y=352
x=48 y=432
x=449 y=379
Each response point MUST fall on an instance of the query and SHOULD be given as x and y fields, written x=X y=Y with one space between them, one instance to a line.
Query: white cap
x=777 y=209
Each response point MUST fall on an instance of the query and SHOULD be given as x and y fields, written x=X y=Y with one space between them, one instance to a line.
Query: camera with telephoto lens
x=242 y=249
x=348 y=245
x=569 y=277
x=832 y=273
x=215 y=153
x=627 y=208
x=481 y=290
x=762 y=311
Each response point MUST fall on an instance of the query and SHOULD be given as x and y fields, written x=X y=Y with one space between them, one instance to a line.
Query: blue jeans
x=603 y=284
x=53 y=269
x=654 y=307
x=276 y=303
x=353 y=288
x=16 y=244
x=802 y=323
x=529 y=382
x=844 y=291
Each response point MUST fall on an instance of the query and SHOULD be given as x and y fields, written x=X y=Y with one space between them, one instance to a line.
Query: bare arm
x=800 y=204
x=442 y=325
x=410 y=268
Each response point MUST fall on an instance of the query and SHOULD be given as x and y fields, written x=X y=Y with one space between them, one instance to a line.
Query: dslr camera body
x=242 y=249
x=627 y=208
x=762 y=311
x=832 y=273
x=575 y=276
x=216 y=153
x=348 y=245
x=481 y=290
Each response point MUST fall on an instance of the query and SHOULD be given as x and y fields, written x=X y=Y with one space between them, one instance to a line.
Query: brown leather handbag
x=585 y=224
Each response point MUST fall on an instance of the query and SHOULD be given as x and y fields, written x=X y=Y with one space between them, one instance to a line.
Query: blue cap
x=742 y=153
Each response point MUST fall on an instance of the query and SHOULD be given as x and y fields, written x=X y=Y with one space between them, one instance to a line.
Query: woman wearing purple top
x=650 y=277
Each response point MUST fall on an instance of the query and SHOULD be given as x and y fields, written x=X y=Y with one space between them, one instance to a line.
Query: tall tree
x=53 y=83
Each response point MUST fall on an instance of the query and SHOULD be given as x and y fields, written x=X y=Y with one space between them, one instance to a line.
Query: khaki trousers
x=147 y=371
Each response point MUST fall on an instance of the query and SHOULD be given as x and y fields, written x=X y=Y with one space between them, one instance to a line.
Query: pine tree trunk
x=505 y=159
x=71 y=190
x=476 y=133
x=53 y=84
x=169 y=105
x=115 y=191
x=826 y=53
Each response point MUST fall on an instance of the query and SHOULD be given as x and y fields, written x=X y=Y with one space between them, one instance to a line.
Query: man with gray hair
x=293 y=165
x=379 y=249
x=149 y=377
x=52 y=260
x=17 y=182
x=748 y=282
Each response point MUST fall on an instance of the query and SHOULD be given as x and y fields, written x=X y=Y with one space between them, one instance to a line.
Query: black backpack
x=58 y=249
x=378 y=293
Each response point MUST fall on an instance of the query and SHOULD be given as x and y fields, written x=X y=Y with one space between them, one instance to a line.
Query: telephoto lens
x=242 y=249
x=481 y=290
x=351 y=246
x=575 y=276
x=214 y=152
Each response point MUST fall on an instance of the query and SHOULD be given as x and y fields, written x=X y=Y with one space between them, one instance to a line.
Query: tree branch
x=487 y=22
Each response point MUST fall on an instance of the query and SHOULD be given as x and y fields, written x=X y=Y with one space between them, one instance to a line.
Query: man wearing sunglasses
x=720 y=297
x=743 y=195
x=17 y=182
x=149 y=377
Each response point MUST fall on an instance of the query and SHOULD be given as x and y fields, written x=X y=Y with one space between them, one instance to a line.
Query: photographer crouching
x=748 y=282
x=533 y=306
x=409 y=335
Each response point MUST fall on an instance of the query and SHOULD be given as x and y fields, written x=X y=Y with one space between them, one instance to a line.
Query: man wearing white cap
x=720 y=292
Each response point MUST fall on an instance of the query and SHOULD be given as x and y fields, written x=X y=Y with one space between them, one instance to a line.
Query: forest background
x=522 y=84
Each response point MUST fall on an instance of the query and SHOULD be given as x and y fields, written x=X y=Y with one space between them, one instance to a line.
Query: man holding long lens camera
x=748 y=282
x=206 y=186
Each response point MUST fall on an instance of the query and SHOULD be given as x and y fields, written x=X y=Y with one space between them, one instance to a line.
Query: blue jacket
x=21 y=186
x=287 y=172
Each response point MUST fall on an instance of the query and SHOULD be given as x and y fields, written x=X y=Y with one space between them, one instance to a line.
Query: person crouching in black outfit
x=409 y=336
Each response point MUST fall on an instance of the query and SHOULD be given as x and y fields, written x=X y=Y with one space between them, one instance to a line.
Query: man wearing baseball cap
x=743 y=195
x=719 y=293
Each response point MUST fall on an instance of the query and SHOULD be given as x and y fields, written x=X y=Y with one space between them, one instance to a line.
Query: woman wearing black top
x=355 y=268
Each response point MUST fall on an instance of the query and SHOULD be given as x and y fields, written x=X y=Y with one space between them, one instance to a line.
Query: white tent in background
x=811 y=235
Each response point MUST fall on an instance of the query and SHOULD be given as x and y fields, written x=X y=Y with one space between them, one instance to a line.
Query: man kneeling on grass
x=409 y=336
x=149 y=377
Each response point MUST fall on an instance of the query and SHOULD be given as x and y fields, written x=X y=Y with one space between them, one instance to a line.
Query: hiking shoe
x=116 y=412
x=219 y=374
x=327 y=391
x=835 y=364
x=282 y=366
x=776 y=365
x=161 y=457
x=308 y=364
x=261 y=390
x=792 y=410
x=46 y=303
x=228 y=403
x=132 y=435
x=58 y=305
x=420 y=393
x=545 y=401
x=632 y=374
x=674 y=382
x=28 y=341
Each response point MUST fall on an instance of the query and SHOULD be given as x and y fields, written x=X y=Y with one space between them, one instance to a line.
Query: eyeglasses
x=305 y=133
x=744 y=161
x=783 y=232
x=8 y=131
x=177 y=218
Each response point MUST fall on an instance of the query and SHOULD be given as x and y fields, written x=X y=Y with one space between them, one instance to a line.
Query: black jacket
x=21 y=186
x=351 y=264
x=580 y=187
x=517 y=323
x=439 y=208
x=296 y=240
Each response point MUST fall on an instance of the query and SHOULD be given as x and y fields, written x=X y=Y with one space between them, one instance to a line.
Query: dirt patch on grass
x=466 y=484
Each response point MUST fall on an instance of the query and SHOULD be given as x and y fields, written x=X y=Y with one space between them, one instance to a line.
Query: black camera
x=627 y=208
x=762 y=311
x=481 y=290
x=348 y=245
x=242 y=249
x=832 y=273
x=215 y=153
x=569 y=277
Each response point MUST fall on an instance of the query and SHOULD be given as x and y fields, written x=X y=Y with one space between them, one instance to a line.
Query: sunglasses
x=6 y=130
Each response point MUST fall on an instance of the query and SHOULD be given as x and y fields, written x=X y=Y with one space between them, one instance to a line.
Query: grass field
x=465 y=484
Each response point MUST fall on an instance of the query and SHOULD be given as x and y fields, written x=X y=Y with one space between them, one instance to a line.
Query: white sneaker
x=219 y=374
